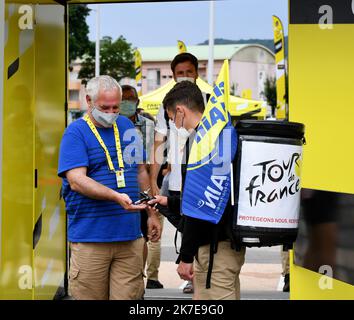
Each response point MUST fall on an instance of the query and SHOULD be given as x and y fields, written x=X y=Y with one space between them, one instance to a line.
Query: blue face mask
x=104 y=119
x=127 y=108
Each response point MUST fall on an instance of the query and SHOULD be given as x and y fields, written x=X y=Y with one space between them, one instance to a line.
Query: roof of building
x=221 y=52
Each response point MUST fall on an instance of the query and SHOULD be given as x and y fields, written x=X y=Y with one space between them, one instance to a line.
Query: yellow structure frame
x=32 y=119
x=33 y=223
x=321 y=96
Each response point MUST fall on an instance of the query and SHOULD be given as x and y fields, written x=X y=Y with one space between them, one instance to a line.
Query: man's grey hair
x=105 y=83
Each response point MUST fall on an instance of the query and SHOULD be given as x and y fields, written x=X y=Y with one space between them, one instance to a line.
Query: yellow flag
x=214 y=119
x=181 y=47
x=138 y=72
x=279 y=44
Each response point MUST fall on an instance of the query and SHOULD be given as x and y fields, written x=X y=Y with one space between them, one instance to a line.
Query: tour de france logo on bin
x=273 y=172
x=269 y=192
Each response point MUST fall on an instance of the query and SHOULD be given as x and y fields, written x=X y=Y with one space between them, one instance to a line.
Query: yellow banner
x=279 y=44
x=214 y=119
x=138 y=72
x=181 y=47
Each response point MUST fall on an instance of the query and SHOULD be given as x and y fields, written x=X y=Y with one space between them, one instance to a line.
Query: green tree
x=78 y=31
x=270 y=92
x=116 y=59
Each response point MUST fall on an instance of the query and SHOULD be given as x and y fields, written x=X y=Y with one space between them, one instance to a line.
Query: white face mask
x=180 y=79
x=104 y=119
x=183 y=132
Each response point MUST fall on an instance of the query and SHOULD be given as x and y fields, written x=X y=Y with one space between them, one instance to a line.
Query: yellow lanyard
x=99 y=139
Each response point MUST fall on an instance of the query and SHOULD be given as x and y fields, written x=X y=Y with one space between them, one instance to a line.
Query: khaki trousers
x=154 y=256
x=225 y=281
x=285 y=262
x=102 y=271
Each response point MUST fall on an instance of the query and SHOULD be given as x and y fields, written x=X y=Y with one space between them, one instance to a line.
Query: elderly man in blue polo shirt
x=102 y=165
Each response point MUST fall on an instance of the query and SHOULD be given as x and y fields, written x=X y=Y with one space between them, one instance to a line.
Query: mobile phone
x=141 y=201
x=145 y=198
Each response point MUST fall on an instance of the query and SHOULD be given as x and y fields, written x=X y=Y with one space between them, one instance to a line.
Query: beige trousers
x=154 y=256
x=225 y=281
x=102 y=271
x=285 y=262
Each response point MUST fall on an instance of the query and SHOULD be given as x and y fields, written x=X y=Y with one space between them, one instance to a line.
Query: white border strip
x=2 y=40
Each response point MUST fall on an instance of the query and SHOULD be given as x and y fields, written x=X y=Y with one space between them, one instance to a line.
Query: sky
x=163 y=23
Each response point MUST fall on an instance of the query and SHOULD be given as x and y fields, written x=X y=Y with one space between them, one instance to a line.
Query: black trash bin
x=266 y=175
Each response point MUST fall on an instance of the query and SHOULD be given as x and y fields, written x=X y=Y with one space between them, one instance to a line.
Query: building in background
x=250 y=65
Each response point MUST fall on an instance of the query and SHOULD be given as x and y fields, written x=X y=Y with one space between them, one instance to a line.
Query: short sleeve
x=149 y=137
x=161 y=126
x=73 y=153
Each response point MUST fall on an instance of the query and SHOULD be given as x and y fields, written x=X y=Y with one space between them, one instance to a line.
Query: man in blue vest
x=102 y=164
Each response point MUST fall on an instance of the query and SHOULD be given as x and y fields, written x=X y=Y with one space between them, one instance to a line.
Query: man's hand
x=160 y=200
x=185 y=271
x=124 y=200
x=154 y=226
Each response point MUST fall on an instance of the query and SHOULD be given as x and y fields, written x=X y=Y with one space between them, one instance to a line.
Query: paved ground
x=260 y=276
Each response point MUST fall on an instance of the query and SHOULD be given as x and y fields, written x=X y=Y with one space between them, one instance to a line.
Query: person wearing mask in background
x=184 y=67
x=145 y=126
x=100 y=185
x=143 y=121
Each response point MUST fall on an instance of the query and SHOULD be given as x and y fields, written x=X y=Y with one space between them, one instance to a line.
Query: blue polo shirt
x=91 y=220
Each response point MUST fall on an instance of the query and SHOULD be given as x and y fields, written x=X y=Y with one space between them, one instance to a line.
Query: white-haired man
x=101 y=163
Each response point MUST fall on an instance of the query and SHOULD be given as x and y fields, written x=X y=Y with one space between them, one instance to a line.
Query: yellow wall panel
x=321 y=96
x=33 y=123
x=309 y=285
x=17 y=169
x=49 y=254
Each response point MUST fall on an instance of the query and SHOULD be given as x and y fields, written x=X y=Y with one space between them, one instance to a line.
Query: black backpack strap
x=167 y=119
x=213 y=250
x=176 y=234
